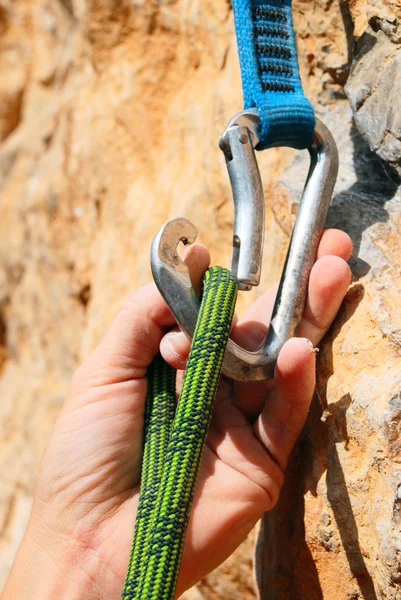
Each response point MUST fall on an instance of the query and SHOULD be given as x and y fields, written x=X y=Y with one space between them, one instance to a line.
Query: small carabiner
x=171 y=274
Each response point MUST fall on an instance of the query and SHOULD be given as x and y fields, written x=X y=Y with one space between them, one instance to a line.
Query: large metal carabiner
x=171 y=274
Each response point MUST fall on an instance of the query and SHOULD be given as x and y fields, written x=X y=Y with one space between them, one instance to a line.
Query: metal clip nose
x=238 y=143
x=172 y=276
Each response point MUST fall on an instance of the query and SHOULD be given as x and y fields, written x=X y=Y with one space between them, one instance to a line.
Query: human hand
x=80 y=532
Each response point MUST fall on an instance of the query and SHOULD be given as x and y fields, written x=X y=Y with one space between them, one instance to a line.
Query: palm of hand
x=88 y=485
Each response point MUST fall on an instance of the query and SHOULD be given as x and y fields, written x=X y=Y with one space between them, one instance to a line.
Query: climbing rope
x=173 y=449
x=159 y=416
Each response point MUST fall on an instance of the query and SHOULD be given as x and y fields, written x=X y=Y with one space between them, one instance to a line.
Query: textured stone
x=335 y=532
x=374 y=84
x=110 y=115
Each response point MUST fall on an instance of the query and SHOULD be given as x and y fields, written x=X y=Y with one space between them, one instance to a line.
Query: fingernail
x=311 y=346
x=178 y=342
x=174 y=334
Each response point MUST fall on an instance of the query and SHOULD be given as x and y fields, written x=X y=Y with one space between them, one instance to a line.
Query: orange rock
x=110 y=115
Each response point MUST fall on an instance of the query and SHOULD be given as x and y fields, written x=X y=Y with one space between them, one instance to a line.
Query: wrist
x=48 y=566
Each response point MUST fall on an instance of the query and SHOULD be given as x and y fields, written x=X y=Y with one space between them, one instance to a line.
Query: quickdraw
x=276 y=114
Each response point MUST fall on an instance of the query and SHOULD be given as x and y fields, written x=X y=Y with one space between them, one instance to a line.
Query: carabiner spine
x=312 y=212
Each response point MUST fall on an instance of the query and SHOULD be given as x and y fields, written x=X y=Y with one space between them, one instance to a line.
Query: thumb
x=131 y=341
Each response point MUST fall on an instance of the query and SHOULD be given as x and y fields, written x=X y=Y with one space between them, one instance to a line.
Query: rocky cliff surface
x=110 y=114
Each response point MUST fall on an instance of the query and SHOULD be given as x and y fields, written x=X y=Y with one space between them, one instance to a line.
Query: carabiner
x=171 y=274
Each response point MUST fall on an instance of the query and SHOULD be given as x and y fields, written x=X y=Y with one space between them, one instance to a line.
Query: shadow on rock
x=363 y=204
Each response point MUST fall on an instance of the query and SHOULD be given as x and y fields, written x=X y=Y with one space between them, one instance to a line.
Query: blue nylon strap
x=270 y=76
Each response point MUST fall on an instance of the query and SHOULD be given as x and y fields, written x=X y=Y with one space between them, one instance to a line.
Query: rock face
x=374 y=85
x=110 y=115
x=335 y=532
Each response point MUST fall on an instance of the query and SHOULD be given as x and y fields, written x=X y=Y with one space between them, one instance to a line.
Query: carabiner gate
x=171 y=274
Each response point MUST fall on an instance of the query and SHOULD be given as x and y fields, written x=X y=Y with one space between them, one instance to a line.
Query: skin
x=79 y=535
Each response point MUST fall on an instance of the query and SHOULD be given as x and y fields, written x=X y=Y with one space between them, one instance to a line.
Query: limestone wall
x=110 y=115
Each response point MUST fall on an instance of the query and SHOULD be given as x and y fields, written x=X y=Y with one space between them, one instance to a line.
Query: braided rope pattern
x=159 y=415
x=159 y=566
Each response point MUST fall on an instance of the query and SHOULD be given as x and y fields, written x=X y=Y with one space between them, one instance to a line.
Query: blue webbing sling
x=270 y=75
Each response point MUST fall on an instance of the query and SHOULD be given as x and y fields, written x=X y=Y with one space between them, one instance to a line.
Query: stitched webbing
x=270 y=76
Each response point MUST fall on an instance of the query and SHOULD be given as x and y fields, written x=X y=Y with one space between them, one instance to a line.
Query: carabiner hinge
x=238 y=143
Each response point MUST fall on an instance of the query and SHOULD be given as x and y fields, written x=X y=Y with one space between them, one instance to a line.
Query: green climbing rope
x=159 y=415
x=172 y=453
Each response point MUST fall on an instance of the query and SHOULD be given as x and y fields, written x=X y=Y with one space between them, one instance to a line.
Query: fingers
x=287 y=405
x=335 y=242
x=133 y=338
x=329 y=280
x=328 y=284
x=197 y=259
x=330 y=275
x=174 y=348
x=251 y=329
